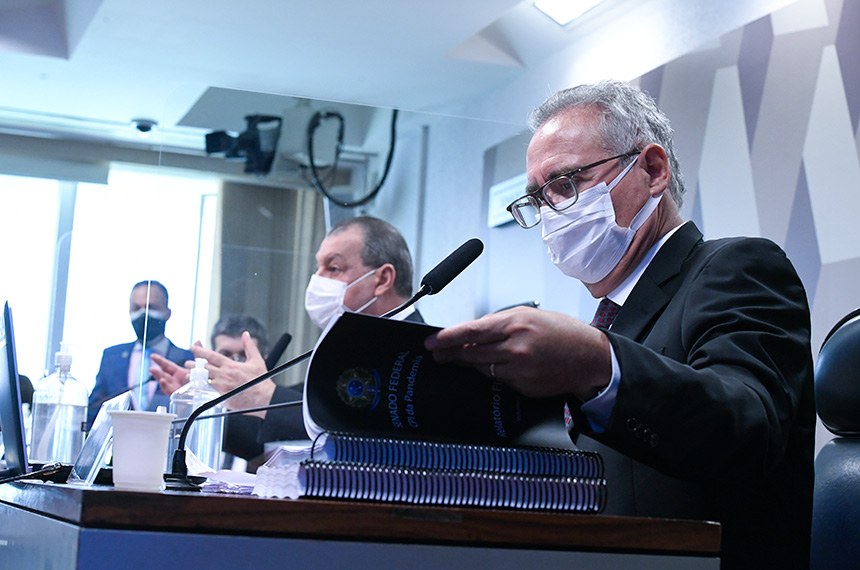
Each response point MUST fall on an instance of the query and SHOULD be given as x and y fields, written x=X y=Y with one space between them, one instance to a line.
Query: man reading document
x=699 y=394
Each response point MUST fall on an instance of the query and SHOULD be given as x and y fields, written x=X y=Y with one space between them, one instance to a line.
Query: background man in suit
x=125 y=366
x=699 y=394
x=363 y=265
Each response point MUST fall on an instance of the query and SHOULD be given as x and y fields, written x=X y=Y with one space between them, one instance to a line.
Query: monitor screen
x=11 y=419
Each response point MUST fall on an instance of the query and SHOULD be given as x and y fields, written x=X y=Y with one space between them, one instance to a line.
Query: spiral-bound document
x=347 y=466
x=495 y=459
x=336 y=480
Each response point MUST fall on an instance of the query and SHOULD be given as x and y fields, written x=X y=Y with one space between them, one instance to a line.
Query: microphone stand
x=425 y=290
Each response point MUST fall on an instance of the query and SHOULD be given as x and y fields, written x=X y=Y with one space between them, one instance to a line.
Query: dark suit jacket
x=714 y=416
x=112 y=377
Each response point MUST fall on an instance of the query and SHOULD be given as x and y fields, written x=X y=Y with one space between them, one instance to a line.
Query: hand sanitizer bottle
x=59 y=414
x=205 y=437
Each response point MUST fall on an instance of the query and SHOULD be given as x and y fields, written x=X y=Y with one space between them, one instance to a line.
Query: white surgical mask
x=584 y=241
x=324 y=298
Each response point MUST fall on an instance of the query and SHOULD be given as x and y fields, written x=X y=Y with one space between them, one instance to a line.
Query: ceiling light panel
x=564 y=12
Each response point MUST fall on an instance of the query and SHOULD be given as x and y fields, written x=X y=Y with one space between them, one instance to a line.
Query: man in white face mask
x=363 y=265
x=699 y=395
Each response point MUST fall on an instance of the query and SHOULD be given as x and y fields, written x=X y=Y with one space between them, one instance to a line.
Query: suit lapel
x=658 y=284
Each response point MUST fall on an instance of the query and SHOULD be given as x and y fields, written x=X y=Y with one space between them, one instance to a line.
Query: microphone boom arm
x=421 y=292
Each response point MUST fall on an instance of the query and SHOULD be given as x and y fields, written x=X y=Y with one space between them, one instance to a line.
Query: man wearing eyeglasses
x=698 y=394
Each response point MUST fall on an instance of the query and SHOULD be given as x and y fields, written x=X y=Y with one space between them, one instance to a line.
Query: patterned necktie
x=605 y=313
x=603 y=317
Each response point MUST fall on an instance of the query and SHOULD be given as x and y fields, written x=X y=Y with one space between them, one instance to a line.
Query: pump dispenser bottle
x=205 y=437
x=59 y=414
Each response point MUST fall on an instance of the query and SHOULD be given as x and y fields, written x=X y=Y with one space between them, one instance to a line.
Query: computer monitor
x=11 y=418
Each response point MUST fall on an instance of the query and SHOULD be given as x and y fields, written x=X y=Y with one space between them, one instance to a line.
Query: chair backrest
x=836 y=503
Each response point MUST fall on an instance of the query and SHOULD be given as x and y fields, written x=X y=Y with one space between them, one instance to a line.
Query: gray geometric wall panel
x=767 y=132
x=766 y=128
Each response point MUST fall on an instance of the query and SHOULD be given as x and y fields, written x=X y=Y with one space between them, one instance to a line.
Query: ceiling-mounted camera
x=257 y=144
x=144 y=125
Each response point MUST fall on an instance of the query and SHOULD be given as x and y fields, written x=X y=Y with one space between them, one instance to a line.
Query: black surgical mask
x=154 y=324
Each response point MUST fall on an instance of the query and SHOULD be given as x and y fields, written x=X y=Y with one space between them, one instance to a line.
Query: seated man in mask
x=698 y=394
x=363 y=265
x=127 y=366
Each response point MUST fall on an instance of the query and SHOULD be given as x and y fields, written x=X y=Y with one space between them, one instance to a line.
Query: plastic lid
x=63 y=358
x=199 y=374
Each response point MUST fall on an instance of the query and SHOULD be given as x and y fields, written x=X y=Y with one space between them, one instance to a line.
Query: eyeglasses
x=559 y=193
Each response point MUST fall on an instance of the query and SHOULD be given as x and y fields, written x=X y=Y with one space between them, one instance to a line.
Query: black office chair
x=836 y=503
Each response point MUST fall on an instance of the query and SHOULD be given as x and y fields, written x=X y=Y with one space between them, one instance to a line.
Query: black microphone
x=278 y=350
x=444 y=272
x=433 y=282
x=452 y=266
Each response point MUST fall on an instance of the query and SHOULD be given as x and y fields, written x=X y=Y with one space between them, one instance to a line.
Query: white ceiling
x=94 y=65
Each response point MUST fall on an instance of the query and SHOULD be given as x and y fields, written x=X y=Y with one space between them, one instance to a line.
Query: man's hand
x=538 y=353
x=170 y=375
x=226 y=374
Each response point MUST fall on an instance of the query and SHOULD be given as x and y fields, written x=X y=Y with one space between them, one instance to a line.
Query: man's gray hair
x=630 y=119
x=383 y=244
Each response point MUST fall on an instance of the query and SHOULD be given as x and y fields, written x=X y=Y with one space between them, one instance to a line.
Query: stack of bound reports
x=391 y=424
x=347 y=466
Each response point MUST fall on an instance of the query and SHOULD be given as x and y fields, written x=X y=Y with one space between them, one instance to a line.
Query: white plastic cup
x=139 y=449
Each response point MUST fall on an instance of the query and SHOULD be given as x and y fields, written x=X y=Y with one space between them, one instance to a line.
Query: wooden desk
x=61 y=526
